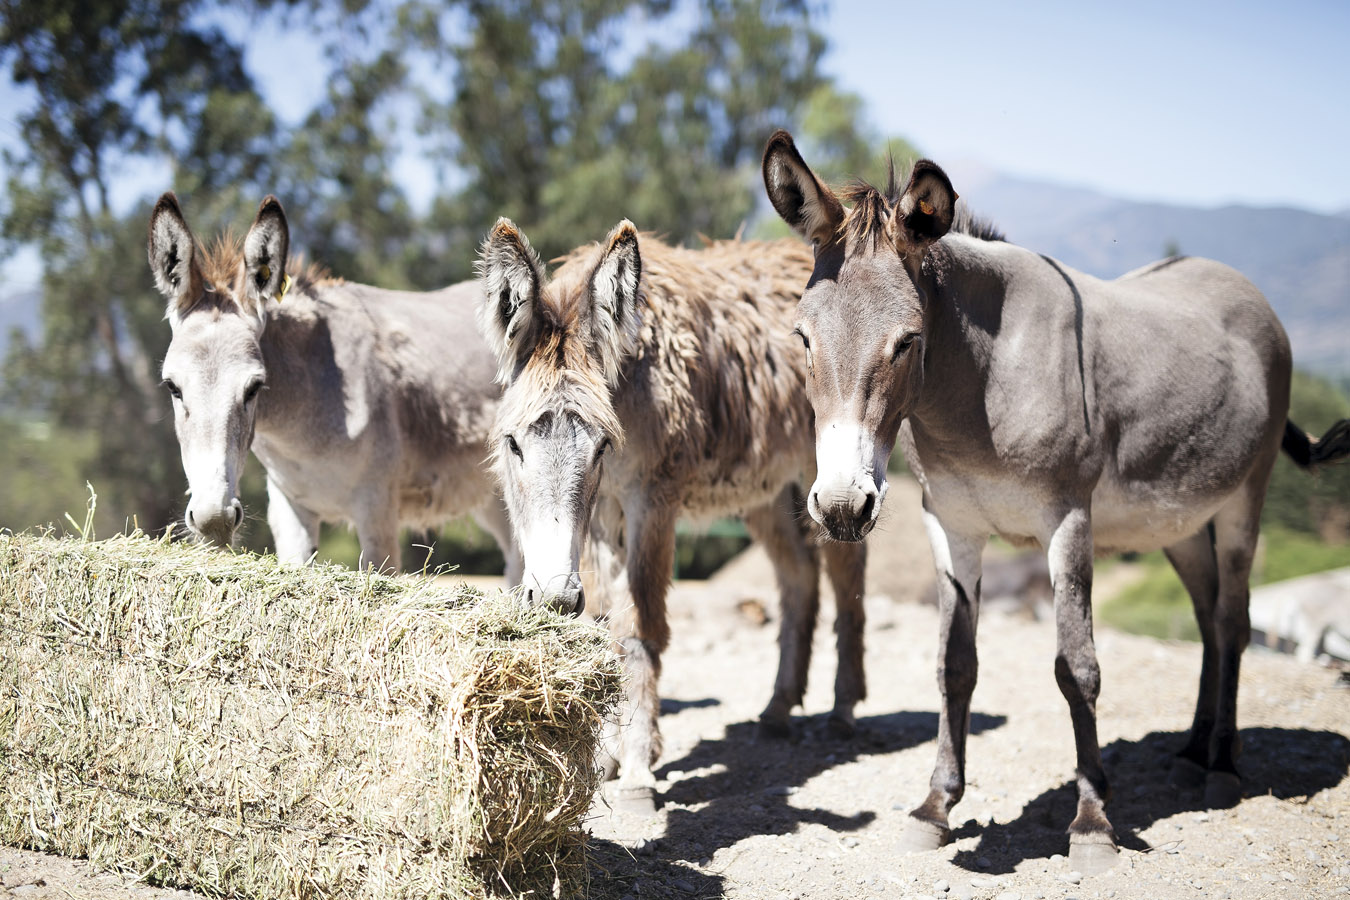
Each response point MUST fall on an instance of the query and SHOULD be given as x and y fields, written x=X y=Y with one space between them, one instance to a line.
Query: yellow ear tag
x=285 y=286
x=926 y=207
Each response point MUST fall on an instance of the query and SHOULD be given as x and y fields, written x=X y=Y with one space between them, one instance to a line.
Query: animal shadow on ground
x=749 y=795
x=1284 y=762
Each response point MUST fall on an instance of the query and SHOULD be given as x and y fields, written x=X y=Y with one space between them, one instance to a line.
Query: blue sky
x=1198 y=103
x=1187 y=102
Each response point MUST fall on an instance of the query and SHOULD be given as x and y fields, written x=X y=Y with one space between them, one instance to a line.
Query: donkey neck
x=964 y=294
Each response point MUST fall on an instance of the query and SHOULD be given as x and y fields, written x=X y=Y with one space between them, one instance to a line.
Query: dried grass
x=241 y=728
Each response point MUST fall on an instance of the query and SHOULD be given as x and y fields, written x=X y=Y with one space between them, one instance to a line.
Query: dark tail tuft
x=1307 y=452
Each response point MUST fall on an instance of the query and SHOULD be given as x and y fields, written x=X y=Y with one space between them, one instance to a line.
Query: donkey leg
x=493 y=518
x=846 y=564
x=377 y=530
x=1198 y=568
x=295 y=530
x=1092 y=845
x=958 y=574
x=1236 y=528
x=651 y=557
x=796 y=567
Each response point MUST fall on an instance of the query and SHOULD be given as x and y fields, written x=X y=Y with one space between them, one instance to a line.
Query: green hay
x=242 y=728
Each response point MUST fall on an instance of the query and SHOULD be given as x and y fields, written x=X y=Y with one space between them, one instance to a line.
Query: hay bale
x=241 y=728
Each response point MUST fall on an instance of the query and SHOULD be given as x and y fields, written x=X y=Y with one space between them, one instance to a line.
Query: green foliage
x=1316 y=504
x=1158 y=605
x=549 y=112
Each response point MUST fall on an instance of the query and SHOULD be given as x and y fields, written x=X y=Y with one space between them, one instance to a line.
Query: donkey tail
x=1308 y=451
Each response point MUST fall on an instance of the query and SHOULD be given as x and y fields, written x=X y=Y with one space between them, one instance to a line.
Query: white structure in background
x=1311 y=614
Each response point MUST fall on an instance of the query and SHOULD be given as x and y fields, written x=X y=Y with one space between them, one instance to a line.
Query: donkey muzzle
x=215 y=524
x=568 y=599
x=848 y=513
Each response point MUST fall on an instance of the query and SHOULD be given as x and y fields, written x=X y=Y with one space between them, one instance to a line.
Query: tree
x=100 y=72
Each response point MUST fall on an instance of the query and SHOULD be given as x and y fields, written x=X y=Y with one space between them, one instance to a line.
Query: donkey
x=1051 y=408
x=345 y=393
x=672 y=372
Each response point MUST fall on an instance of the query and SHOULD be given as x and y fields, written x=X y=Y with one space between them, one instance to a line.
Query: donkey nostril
x=866 y=513
x=238 y=510
x=581 y=602
x=190 y=520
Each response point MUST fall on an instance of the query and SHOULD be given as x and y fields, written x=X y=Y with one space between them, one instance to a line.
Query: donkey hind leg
x=1236 y=528
x=796 y=567
x=493 y=518
x=958 y=574
x=1092 y=845
x=295 y=530
x=651 y=556
x=1198 y=568
x=846 y=565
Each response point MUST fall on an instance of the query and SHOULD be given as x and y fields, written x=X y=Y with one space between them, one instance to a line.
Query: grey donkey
x=365 y=406
x=643 y=383
x=1051 y=408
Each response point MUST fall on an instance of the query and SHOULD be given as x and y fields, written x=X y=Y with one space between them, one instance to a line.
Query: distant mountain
x=1299 y=259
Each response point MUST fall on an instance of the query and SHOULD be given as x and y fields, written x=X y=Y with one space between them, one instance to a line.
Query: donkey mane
x=222 y=266
x=871 y=209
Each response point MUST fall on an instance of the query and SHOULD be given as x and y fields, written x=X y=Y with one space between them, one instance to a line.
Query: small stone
x=1288 y=876
x=1268 y=878
x=941 y=886
x=983 y=882
x=1057 y=857
x=851 y=842
x=1072 y=878
x=1312 y=856
x=962 y=890
x=983 y=862
x=1201 y=817
x=681 y=885
x=756 y=808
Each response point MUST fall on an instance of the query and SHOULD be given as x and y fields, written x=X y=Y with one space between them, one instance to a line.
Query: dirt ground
x=814 y=817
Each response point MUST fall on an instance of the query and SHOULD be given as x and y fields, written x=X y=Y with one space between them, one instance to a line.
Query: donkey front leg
x=295 y=530
x=493 y=518
x=377 y=530
x=846 y=565
x=1092 y=845
x=650 y=543
x=959 y=566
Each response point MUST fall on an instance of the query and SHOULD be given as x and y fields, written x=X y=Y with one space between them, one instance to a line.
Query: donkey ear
x=171 y=250
x=925 y=210
x=512 y=277
x=800 y=197
x=614 y=299
x=266 y=247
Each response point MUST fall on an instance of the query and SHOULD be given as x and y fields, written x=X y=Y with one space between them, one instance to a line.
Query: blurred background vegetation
x=565 y=115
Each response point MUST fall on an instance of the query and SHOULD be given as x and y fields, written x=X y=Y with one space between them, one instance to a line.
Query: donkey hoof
x=774 y=728
x=1186 y=773
x=634 y=801
x=1222 y=790
x=841 y=728
x=1091 y=854
x=921 y=836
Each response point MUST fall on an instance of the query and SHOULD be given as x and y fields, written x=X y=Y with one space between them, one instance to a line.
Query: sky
x=1196 y=102
x=1192 y=102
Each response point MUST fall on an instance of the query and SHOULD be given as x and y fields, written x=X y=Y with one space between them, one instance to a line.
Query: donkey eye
x=905 y=342
x=514 y=447
x=806 y=342
x=252 y=391
x=172 y=389
x=604 y=446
